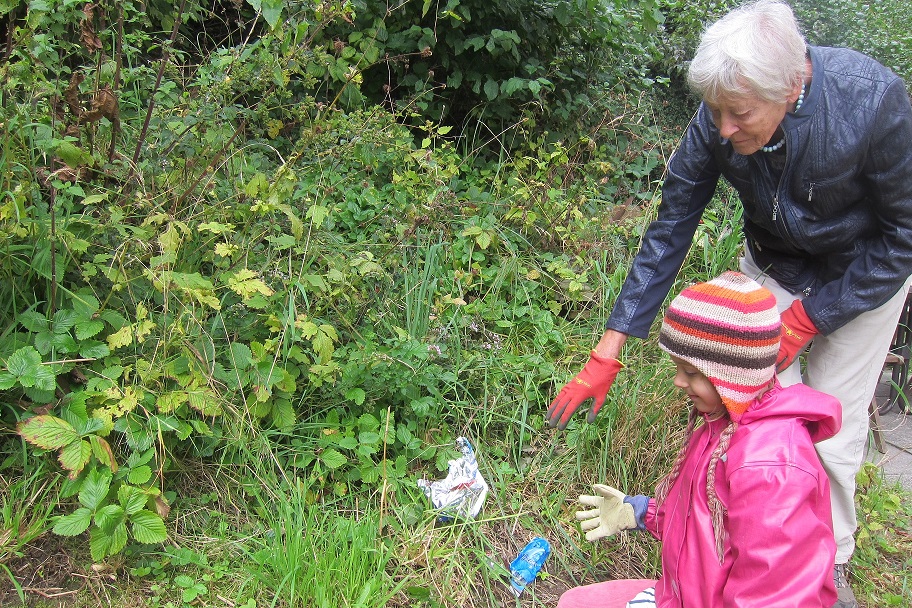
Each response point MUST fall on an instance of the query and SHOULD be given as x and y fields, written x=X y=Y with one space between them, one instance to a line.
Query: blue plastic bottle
x=527 y=564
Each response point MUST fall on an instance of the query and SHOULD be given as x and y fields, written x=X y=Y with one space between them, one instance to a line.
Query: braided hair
x=716 y=508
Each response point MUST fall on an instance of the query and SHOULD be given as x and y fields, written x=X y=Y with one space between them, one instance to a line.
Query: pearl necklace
x=798 y=103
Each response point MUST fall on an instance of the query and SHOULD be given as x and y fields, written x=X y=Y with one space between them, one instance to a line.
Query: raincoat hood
x=821 y=419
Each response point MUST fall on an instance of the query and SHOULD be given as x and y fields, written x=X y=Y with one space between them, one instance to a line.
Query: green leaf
x=332 y=458
x=512 y=85
x=317 y=214
x=204 y=402
x=94 y=198
x=131 y=498
x=109 y=517
x=357 y=395
x=368 y=422
x=140 y=475
x=137 y=436
x=170 y=401
x=491 y=89
x=85 y=304
x=191 y=593
x=369 y=472
x=102 y=451
x=7 y=380
x=245 y=283
x=40 y=396
x=87 y=329
x=272 y=11
x=118 y=539
x=148 y=527
x=64 y=320
x=283 y=414
x=74 y=156
x=33 y=321
x=348 y=443
x=369 y=438
x=73 y=524
x=24 y=364
x=44 y=379
x=75 y=456
x=48 y=432
x=562 y=13
x=94 y=489
x=240 y=355
x=100 y=544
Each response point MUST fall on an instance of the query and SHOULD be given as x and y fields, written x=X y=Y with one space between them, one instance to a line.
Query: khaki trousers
x=847 y=364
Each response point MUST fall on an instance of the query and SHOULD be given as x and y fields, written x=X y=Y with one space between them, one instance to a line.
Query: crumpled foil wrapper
x=462 y=493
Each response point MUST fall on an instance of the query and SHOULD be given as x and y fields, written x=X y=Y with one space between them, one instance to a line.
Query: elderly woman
x=818 y=143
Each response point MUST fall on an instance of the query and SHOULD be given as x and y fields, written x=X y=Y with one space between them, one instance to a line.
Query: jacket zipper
x=778 y=187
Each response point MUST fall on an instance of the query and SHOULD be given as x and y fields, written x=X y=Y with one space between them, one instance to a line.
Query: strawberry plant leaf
x=283 y=415
x=48 y=432
x=88 y=329
x=99 y=544
x=131 y=498
x=94 y=489
x=140 y=475
x=118 y=539
x=109 y=517
x=103 y=452
x=93 y=349
x=75 y=456
x=24 y=364
x=332 y=458
x=7 y=380
x=73 y=524
x=148 y=527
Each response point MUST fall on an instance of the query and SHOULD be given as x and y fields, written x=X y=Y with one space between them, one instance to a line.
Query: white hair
x=755 y=49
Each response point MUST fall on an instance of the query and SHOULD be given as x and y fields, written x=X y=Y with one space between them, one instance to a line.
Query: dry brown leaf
x=104 y=105
x=162 y=507
x=90 y=39
x=71 y=94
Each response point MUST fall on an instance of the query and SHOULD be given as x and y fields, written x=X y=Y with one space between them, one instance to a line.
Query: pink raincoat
x=779 y=546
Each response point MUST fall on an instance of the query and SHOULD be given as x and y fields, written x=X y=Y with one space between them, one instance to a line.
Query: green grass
x=314 y=554
x=279 y=547
x=883 y=555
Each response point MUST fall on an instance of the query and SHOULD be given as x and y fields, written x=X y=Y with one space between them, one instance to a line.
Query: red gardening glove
x=797 y=331
x=592 y=382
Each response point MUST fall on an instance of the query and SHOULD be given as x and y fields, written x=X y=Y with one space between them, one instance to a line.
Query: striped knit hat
x=728 y=328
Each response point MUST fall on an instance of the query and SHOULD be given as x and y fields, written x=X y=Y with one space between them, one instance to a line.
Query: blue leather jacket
x=834 y=223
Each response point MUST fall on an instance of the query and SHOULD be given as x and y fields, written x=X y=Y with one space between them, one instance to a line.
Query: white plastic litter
x=463 y=492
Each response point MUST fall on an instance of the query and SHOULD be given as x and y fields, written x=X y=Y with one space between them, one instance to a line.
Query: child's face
x=702 y=393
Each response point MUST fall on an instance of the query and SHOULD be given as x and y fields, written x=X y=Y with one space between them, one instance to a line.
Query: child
x=744 y=515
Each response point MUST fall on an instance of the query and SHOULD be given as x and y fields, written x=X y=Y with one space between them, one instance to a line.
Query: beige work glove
x=610 y=515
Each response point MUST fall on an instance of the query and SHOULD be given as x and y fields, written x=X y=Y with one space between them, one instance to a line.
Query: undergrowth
x=243 y=312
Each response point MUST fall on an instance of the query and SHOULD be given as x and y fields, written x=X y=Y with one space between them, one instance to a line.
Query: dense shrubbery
x=262 y=239
x=195 y=252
